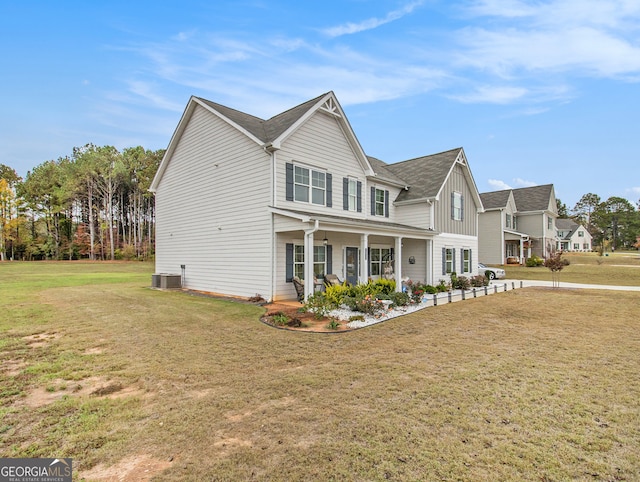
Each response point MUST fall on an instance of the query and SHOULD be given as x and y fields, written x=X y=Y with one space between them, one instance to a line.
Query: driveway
x=527 y=283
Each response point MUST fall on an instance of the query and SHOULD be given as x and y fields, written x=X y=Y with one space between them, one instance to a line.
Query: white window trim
x=457 y=210
x=310 y=187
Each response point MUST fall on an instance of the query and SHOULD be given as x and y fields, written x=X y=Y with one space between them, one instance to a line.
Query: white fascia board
x=177 y=133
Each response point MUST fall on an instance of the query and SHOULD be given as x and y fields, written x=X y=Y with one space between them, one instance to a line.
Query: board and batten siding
x=320 y=143
x=456 y=182
x=490 y=243
x=212 y=210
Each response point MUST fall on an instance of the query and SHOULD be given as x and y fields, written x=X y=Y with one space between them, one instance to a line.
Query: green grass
x=616 y=269
x=533 y=384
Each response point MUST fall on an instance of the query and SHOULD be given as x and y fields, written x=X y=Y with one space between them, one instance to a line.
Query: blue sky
x=544 y=91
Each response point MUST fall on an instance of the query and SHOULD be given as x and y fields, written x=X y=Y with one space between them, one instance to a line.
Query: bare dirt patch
x=93 y=386
x=13 y=367
x=40 y=339
x=137 y=467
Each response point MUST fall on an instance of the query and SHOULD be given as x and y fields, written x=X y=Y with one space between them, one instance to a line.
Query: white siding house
x=244 y=204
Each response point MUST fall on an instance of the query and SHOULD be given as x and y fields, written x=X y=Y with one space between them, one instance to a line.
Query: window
x=576 y=245
x=379 y=202
x=319 y=261
x=549 y=222
x=585 y=246
x=307 y=185
x=301 y=186
x=515 y=224
x=449 y=261
x=466 y=261
x=352 y=195
x=456 y=206
x=508 y=221
x=581 y=234
x=378 y=258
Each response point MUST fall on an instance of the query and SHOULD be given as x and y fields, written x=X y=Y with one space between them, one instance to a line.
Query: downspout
x=271 y=150
x=308 y=259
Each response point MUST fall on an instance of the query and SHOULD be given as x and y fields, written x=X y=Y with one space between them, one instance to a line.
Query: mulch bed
x=298 y=320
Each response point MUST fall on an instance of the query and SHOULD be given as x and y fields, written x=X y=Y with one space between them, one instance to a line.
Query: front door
x=352 y=259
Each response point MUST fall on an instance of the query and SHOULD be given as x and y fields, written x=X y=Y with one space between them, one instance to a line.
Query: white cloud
x=371 y=23
x=522 y=183
x=498 y=185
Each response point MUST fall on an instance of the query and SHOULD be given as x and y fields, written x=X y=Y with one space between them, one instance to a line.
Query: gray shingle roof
x=265 y=130
x=383 y=172
x=425 y=175
x=495 y=199
x=534 y=198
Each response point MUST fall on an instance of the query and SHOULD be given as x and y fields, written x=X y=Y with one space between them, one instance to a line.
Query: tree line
x=613 y=223
x=94 y=204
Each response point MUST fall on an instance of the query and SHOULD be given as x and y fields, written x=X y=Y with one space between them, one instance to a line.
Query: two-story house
x=517 y=223
x=572 y=236
x=244 y=204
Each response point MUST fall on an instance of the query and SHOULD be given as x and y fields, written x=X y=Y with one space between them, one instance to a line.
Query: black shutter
x=345 y=193
x=368 y=261
x=329 y=259
x=373 y=201
x=359 y=202
x=289 y=263
x=444 y=261
x=386 y=204
x=289 y=181
x=461 y=260
x=329 y=179
x=470 y=261
x=453 y=260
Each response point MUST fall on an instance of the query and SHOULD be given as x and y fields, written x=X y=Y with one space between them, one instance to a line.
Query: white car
x=491 y=273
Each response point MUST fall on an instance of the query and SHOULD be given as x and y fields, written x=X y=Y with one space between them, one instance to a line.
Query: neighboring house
x=572 y=236
x=243 y=204
x=499 y=240
x=517 y=224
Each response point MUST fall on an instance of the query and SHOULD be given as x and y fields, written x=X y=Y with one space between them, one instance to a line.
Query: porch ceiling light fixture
x=325 y=241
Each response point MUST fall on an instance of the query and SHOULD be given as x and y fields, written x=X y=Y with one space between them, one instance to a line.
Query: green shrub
x=534 y=261
x=385 y=286
x=318 y=305
x=280 y=318
x=432 y=290
x=400 y=299
x=335 y=294
x=442 y=286
x=369 y=305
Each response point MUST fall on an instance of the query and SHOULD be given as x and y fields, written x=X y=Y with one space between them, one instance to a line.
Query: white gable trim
x=462 y=160
x=329 y=105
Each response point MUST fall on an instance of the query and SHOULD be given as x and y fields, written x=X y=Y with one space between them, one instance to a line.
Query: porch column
x=308 y=264
x=521 y=250
x=364 y=259
x=398 y=264
x=429 y=262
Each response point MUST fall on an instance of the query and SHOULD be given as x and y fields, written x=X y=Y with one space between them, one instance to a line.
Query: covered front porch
x=354 y=250
x=516 y=247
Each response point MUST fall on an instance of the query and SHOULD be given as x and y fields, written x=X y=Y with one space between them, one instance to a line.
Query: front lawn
x=532 y=384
